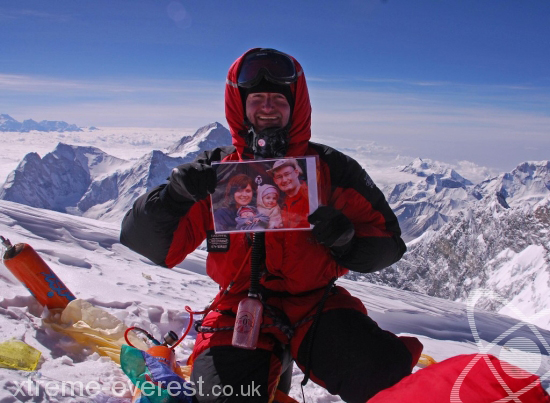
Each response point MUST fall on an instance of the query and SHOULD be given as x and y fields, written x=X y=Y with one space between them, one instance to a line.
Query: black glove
x=333 y=229
x=193 y=181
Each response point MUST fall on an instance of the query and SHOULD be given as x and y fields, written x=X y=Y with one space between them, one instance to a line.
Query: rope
x=208 y=329
x=288 y=330
x=155 y=341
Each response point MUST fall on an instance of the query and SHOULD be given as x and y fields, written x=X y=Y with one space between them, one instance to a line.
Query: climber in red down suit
x=307 y=319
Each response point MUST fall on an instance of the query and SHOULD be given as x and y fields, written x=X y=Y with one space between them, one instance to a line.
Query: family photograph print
x=265 y=195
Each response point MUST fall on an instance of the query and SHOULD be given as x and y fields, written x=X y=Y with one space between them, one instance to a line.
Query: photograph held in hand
x=265 y=195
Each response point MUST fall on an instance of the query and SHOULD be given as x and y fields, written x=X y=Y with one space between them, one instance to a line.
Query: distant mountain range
x=89 y=182
x=9 y=124
x=440 y=193
x=460 y=235
x=493 y=235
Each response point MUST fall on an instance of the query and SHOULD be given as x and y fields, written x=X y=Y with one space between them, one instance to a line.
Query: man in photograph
x=295 y=208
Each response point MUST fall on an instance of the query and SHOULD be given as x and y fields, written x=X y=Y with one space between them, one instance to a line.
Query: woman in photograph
x=239 y=192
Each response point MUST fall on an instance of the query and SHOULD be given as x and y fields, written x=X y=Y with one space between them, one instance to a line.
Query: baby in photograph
x=248 y=218
x=268 y=197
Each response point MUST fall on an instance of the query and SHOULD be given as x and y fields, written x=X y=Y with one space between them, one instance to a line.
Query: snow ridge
x=437 y=193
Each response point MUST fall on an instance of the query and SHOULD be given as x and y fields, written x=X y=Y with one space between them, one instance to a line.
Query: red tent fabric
x=475 y=378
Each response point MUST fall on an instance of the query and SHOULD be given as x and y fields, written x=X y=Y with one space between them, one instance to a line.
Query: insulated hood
x=300 y=128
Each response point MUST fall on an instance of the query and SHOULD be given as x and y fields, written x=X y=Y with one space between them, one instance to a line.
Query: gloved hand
x=333 y=229
x=193 y=181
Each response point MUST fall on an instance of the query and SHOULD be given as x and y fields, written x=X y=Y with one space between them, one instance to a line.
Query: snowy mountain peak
x=95 y=161
x=57 y=126
x=531 y=169
x=9 y=124
x=6 y=118
x=110 y=197
x=205 y=138
x=58 y=180
x=528 y=183
x=439 y=192
x=154 y=168
x=428 y=168
x=424 y=167
x=418 y=166
x=488 y=244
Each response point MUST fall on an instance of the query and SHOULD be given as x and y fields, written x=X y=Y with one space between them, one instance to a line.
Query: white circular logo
x=261 y=142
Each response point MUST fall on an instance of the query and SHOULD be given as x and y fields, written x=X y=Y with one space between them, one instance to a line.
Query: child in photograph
x=248 y=218
x=268 y=197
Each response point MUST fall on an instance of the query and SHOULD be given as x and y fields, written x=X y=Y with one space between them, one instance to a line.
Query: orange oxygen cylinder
x=29 y=268
x=164 y=354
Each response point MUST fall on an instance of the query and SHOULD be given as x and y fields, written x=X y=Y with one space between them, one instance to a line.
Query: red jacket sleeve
x=377 y=242
x=165 y=230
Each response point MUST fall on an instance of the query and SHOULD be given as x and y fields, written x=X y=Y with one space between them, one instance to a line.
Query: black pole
x=256 y=261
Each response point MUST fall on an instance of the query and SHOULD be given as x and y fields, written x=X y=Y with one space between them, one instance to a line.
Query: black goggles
x=270 y=64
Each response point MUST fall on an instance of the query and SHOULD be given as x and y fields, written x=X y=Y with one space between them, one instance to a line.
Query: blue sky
x=442 y=79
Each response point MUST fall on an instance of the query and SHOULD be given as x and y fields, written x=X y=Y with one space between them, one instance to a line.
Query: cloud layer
x=497 y=126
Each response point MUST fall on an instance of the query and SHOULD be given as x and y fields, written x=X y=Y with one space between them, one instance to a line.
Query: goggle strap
x=231 y=83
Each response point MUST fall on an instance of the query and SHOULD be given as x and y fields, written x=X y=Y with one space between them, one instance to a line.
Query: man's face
x=287 y=179
x=267 y=109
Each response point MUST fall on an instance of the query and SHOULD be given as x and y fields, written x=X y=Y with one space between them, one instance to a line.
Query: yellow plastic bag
x=16 y=354
x=92 y=327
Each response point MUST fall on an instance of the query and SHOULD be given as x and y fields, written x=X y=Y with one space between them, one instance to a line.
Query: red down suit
x=297 y=267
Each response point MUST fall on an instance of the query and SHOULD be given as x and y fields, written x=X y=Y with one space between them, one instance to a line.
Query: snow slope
x=87 y=256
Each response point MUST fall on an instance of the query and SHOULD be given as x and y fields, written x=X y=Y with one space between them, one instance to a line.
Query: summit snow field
x=468 y=228
x=88 y=257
